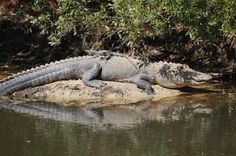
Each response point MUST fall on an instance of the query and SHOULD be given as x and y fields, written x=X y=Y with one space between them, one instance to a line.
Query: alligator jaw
x=200 y=78
x=177 y=76
x=192 y=81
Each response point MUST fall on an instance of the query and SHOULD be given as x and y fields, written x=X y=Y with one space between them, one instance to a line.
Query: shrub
x=205 y=19
x=140 y=18
x=136 y=19
x=71 y=16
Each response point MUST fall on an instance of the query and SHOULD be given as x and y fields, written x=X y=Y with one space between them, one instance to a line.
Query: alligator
x=94 y=70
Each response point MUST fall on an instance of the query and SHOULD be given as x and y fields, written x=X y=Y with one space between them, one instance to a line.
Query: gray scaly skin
x=94 y=69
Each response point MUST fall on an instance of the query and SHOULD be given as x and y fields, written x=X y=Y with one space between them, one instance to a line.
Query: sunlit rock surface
x=74 y=91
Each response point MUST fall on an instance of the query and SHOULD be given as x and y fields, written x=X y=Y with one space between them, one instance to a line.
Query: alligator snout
x=189 y=77
x=201 y=77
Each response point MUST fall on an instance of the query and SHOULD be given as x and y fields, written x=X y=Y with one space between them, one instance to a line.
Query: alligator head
x=173 y=75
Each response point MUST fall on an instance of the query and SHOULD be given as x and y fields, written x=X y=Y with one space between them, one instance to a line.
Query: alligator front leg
x=142 y=82
x=89 y=77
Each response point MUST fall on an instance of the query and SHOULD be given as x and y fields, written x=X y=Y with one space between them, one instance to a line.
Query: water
x=201 y=124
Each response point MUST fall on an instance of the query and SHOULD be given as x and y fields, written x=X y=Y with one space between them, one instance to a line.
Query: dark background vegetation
x=200 y=33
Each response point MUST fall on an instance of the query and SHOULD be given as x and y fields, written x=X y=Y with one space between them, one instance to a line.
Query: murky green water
x=201 y=124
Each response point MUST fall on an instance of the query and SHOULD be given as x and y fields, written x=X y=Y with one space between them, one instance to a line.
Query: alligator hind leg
x=89 y=77
x=142 y=82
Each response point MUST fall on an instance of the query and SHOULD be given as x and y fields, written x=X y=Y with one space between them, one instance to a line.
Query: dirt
x=74 y=92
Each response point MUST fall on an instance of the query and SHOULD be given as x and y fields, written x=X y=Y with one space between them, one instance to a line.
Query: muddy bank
x=74 y=91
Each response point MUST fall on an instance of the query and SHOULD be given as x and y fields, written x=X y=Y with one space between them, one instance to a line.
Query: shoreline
x=75 y=92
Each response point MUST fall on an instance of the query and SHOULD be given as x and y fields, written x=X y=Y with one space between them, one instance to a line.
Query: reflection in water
x=165 y=110
x=197 y=124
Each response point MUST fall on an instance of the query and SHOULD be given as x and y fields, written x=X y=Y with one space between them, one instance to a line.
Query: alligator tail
x=32 y=70
x=32 y=80
x=59 y=70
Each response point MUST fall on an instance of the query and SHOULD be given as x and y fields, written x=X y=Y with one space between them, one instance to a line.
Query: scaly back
x=26 y=78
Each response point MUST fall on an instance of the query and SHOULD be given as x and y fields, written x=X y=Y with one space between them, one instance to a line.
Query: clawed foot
x=97 y=84
x=102 y=85
x=106 y=89
x=150 y=91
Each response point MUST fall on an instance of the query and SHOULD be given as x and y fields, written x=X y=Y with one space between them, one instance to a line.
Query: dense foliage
x=134 y=20
x=140 y=18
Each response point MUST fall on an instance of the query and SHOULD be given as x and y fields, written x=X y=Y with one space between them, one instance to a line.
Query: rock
x=74 y=91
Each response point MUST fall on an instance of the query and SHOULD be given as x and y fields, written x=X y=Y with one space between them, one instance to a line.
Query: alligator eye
x=165 y=66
